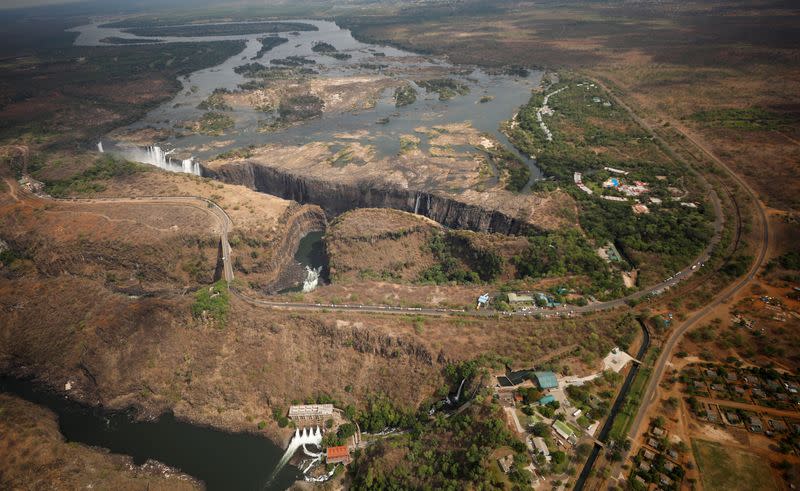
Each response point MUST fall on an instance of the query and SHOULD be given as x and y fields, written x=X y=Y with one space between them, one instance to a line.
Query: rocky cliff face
x=296 y=222
x=336 y=198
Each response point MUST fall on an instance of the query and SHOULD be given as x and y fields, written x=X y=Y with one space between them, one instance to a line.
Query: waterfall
x=312 y=278
x=100 y=147
x=416 y=204
x=301 y=438
x=458 y=394
x=155 y=155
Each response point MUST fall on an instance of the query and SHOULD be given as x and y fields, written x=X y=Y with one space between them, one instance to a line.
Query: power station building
x=310 y=414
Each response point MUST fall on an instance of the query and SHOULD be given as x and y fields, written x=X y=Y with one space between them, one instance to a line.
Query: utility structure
x=310 y=414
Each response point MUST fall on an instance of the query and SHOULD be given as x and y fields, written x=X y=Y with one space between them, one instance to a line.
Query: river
x=238 y=460
x=492 y=98
x=223 y=461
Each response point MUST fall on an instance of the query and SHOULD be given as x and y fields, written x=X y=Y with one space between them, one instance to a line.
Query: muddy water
x=383 y=125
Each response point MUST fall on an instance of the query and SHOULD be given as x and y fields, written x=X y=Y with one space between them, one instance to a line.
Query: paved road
x=673 y=339
x=226 y=225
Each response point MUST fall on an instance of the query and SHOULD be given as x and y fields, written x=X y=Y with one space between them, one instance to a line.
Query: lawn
x=731 y=469
x=624 y=418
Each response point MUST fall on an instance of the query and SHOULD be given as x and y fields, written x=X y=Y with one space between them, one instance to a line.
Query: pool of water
x=223 y=461
x=310 y=255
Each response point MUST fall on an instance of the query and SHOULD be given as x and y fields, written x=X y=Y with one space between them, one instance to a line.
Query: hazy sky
x=12 y=4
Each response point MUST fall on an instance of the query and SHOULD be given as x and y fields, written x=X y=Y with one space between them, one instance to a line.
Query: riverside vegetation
x=665 y=239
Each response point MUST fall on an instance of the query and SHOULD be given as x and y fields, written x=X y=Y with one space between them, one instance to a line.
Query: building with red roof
x=336 y=455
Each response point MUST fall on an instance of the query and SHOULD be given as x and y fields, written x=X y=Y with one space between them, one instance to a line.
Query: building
x=338 y=455
x=506 y=462
x=515 y=298
x=546 y=380
x=541 y=447
x=546 y=400
x=310 y=414
x=483 y=300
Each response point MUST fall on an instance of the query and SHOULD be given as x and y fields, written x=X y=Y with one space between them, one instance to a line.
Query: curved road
x=673 y=339
x=226 y=225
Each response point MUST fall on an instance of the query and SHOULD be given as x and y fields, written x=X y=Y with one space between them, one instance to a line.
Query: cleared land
x=724 y=467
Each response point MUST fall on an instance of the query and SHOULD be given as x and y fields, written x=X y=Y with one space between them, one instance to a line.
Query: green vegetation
x=293 y=61
x=300 y=108
x=119 y=40
x=790 y=260
x=257 y=70
x=212 y=303
x=564 y=253
x=237 y=153
x=329 y=50
x=624 y=418
x=447 y=88
x=216 y=101
x=323 y=47
x=268 y=43
x=90 y=83
x=405 y=95
x=584 y=121
x=214 y=123
x=217 y=29
x=446 y=453
x=729 y=468
x=459 y=262
x=340 y=56
x=104 y=167
x=518 y=173
x=753 y=118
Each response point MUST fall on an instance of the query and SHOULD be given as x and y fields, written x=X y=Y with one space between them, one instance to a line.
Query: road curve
x=226 y=225
x=724 y=295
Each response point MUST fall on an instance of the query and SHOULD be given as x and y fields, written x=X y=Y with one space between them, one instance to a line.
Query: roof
x=513 y=297
x=546 y=380
x=311 y=410
x=547 y=399
x=540 y=445
x=337 y=452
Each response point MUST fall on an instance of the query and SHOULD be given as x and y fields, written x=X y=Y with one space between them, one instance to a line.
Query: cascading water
x=458 y=394
x=301 y=438
x=100 y=147
x=416 y=205
x=155 y=155
x=312 y=279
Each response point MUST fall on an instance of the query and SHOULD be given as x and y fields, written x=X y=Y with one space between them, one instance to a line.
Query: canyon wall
x=336 y=197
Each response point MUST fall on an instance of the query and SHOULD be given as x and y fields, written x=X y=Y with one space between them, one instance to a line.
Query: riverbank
x=36 y=454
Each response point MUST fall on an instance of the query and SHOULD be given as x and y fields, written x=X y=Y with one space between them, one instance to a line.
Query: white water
x=155 y=155
x=100 y=147
x=458 y=394
x=301 y=438
x=312 y=279
x=416 y=205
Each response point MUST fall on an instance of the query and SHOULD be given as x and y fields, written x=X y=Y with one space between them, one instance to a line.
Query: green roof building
x=546 y=380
